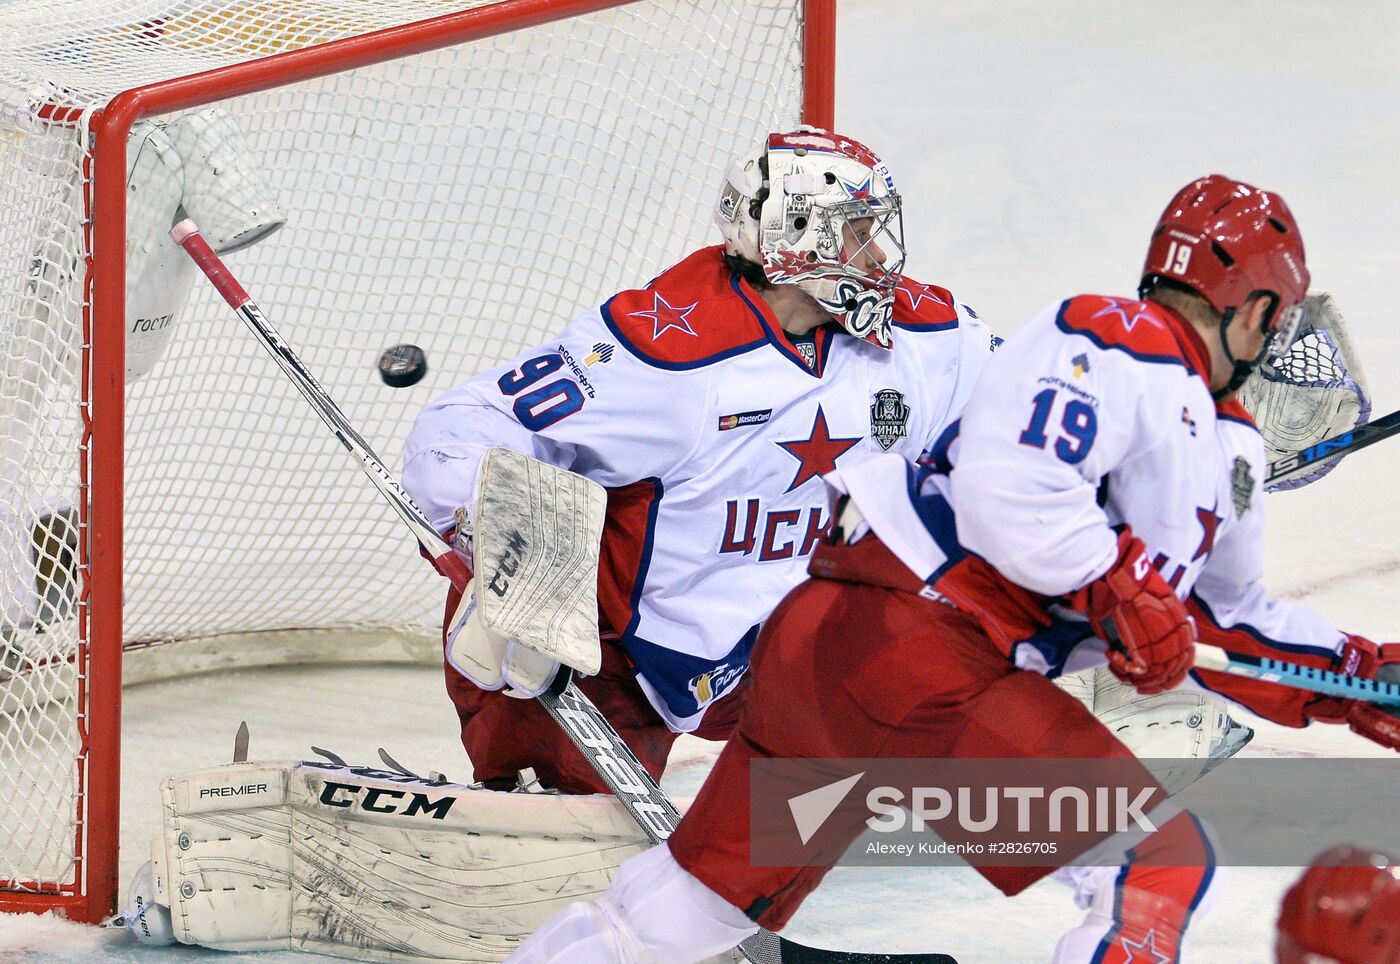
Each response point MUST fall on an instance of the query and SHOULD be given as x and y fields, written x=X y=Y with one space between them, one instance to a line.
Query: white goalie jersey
x=710 y=429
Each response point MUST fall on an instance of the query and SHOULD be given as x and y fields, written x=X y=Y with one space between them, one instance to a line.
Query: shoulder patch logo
x=889 y=418
x=1241 y=486
x=600 y=355
x=808 y=351
x=665 y=317
x=1081 y=364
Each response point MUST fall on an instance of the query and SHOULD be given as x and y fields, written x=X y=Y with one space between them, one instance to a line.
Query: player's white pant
x=656 y=912
x=1142 y=910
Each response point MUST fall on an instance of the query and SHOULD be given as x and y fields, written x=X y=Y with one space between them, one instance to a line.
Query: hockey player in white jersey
x=708 y=403
x=1100 y=502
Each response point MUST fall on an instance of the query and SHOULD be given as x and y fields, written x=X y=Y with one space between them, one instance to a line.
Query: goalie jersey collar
x=695 y=314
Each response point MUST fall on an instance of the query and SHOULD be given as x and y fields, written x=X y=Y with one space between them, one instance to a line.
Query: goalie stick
x=585 y=726
x=1335 y=447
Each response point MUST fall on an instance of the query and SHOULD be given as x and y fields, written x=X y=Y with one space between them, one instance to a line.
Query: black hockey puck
x=403 y=365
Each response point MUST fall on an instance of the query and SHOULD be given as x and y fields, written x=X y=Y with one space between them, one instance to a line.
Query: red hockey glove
x=1151 y=637
x=1377 y=723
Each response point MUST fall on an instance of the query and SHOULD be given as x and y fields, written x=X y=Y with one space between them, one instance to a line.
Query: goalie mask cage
x=462 y=176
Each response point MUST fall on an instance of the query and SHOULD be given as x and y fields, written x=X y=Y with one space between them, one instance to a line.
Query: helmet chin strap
x=1240 y=370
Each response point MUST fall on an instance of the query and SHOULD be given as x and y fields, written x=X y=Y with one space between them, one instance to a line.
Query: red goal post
x=473 y=189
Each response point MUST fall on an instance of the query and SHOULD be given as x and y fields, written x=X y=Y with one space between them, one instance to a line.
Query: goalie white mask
x=820 y=211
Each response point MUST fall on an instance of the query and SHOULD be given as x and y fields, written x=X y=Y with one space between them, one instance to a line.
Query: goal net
x=466 y=181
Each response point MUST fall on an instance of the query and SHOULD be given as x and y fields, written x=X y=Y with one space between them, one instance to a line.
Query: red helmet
x=1346 y=908
x=1226 y=240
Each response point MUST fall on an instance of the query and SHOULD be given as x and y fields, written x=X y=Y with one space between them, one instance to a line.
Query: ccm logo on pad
x=384 y=800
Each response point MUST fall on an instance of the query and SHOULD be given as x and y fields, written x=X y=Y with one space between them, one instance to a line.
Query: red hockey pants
x=849 y=670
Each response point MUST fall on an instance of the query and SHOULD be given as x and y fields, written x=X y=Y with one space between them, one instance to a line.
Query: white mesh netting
x=469 y=201
x=1316 y=391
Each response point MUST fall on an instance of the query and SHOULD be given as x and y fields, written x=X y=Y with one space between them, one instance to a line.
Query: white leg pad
x=656 y=912
x=376 y=865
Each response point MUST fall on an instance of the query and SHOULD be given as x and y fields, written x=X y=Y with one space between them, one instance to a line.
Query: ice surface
x=1035 y=143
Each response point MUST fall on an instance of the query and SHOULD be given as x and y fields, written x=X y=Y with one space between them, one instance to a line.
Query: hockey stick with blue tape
x=1293 y=674
x=1335 y=447
x=565 y=702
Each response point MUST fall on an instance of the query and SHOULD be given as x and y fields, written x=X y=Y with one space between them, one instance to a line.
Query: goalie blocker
x=366 y=863
x=533 y=602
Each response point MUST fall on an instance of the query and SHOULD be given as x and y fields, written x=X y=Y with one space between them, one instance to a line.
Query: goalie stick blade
x=792 y=952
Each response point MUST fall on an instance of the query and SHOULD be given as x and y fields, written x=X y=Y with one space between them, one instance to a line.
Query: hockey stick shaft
x=571 y=709
x=187 y=235
x=1296 y=675
x=1335 y=447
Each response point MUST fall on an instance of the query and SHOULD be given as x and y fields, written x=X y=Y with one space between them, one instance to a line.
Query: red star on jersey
x=818 y=452
x=1148 y=946
x=918 y=294
x=664 y=317
x=1209 y=523
x=1119 y=307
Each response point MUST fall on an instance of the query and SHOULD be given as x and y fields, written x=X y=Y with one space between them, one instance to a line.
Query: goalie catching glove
x=198 y=166
x=1314 y=392
x=533 y=600
x=1150 y=636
